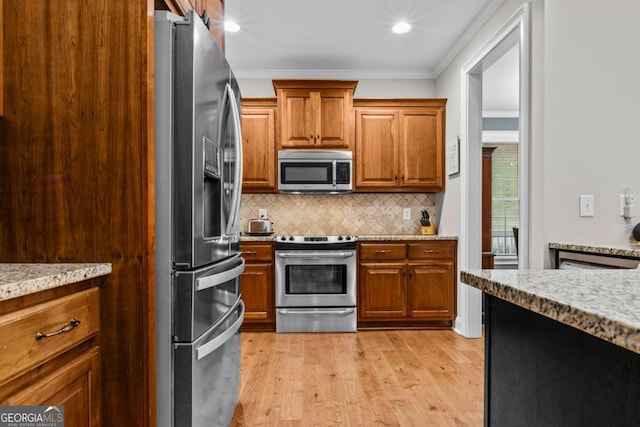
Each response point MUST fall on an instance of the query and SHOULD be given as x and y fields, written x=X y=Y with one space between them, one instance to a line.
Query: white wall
x=448 y=86
x=366 y=88
x=585 y=106
x=592 y=110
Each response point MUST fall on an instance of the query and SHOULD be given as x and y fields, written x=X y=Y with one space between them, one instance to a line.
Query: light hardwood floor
x=368 y=378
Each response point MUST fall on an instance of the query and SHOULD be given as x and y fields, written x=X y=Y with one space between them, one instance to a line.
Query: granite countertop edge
x=597 y=313
x=20 y=279
x=612 y=249
x=363 y=237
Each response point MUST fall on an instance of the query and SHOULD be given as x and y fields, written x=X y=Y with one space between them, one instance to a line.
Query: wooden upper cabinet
x=214 y=9
x=258 y=123
x=400 y=145
x=315 y=114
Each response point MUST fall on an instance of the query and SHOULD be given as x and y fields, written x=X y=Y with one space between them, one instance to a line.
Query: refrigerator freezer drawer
x=203 y=296
x=207 y=375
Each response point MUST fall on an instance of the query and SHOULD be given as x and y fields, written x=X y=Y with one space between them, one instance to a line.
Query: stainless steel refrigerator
x=198 y=175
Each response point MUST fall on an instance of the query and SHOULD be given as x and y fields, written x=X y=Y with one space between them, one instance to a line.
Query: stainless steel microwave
x=315 y=171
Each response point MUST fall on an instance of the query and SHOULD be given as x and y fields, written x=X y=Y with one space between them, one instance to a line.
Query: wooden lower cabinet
x=257 y=287
x=60 y=370
x=409 y=284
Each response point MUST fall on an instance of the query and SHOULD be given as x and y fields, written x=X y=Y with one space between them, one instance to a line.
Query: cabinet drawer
x=256 y=252
x=432 y=250
x=21 y=350
x=370 y=251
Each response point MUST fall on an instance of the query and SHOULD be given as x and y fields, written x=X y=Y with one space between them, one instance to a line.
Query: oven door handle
x=220 y=278
x=307 y=312
x=208 y=348
x=317 y=256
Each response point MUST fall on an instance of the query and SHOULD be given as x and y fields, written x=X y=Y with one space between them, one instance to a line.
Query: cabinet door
x=75 y=386
x=256 y=285
x=376 y=148
x=383 y=291
x=332 y=119
x=215 y=12
x=297 y=119
x=421 y=149
x=258 y=147
x=431 y=288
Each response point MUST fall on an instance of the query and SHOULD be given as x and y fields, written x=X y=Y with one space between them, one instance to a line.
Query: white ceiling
x=349 y=39
x=352 y=39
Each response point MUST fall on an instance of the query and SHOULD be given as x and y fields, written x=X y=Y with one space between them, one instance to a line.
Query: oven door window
x=316 y=279
x=307 y=173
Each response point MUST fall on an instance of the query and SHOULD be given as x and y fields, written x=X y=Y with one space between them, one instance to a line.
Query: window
x=505 y=200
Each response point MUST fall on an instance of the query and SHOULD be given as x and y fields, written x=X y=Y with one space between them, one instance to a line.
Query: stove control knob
x=348 y=237
x=283 y=238
x=291 y=238
x=339 y=237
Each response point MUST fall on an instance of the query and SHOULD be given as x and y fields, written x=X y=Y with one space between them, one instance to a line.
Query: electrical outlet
x=586 y=205
x=262 y=213
x=622 y=204
x=406 y=213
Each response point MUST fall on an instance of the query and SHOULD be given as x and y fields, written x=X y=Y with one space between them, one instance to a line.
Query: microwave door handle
x=220 y=278
x=335 y=170
x=230 y=97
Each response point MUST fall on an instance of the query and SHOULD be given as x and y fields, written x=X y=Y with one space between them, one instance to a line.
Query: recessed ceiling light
x=231 y=27
x=401 y=27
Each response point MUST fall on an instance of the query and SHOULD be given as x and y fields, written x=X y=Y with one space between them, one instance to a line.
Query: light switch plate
x=586 y=205
x=406 y=213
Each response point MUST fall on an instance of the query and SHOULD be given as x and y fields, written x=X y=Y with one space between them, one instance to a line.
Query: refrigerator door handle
x=220 y=278
x=208 y=348
x=230 y=97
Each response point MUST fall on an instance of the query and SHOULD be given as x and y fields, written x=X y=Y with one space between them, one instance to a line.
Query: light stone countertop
x=362 y=238
x=613 y=249
x=602 y=303
x=17 y=280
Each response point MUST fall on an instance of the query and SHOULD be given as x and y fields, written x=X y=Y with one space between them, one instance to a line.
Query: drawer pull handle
x=380 y=251
x=66 y=328
x=431 y=251
x=249 y=252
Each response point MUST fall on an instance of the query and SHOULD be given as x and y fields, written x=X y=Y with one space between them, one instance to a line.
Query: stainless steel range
x=316 y=284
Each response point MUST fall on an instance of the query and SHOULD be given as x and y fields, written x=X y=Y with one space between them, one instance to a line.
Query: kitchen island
x=562 y=347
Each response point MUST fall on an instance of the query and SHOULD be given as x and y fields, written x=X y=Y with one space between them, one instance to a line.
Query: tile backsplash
x=306 y=214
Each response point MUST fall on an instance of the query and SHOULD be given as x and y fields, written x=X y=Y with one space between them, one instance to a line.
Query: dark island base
x=539 y=372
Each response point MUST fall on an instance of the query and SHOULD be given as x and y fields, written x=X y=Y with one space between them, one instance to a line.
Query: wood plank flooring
x=368 y=378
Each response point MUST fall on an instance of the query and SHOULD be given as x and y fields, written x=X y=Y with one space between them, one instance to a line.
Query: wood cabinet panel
x=381 y=251
x=77 y=173
x=421 y=149
x=432 y=250
x=376 y=165
x=315 y=114
x=257 y=286
x=383 y=292
x=258 y=124
x=400 y=145
x=430 y=290
x=22 y=350
x=76 y=386
x=416 y=290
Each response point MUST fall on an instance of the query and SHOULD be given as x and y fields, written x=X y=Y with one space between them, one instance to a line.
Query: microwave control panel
x=343 y=173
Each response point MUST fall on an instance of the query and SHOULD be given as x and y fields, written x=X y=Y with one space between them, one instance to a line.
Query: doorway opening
x=516 y=33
